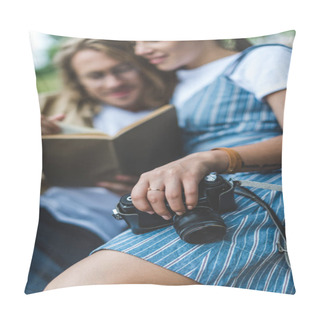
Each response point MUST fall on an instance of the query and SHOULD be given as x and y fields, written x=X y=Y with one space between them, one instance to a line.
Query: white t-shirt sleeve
x=263 y=70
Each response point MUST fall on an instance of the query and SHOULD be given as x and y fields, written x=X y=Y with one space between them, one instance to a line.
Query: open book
x=82 y=156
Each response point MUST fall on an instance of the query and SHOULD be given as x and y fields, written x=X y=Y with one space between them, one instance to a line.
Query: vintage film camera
x=203 y=224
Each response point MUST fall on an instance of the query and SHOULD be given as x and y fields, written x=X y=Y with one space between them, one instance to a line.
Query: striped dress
x=223 y=114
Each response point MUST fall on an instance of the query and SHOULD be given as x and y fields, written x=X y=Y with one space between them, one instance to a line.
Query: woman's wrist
x=234 y=159
x=216 y=160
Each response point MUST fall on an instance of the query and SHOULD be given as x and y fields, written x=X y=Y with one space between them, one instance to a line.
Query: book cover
x=84 y=156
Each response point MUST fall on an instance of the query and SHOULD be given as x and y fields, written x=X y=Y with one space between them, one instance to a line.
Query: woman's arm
x=184 y=175
x=262 y=156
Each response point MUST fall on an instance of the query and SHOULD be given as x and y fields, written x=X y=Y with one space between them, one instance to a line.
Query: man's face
x=108 y=80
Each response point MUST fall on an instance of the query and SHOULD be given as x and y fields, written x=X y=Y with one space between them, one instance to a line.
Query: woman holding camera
x=230 y=106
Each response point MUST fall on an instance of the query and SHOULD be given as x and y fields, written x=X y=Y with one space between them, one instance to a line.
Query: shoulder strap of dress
x=231 y=68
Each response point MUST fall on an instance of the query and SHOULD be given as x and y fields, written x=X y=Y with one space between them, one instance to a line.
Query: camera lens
x=200 y=225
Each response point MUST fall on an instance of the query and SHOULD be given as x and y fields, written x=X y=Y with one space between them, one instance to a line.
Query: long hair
x=158 y=85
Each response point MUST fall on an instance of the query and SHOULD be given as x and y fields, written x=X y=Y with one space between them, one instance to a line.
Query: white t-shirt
x=249 y=74
x=111 y=119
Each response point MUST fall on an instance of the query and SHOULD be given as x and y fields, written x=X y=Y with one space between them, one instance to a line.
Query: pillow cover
x=112 y=110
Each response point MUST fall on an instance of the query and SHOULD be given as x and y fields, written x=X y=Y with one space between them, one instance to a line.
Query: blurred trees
x=47 y=75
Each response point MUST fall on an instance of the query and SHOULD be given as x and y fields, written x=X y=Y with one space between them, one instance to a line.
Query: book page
x=73 y=129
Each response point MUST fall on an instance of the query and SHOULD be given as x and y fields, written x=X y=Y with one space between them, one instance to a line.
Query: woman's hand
x=183 y=176
x=123 y=184
x=172 y=180
x=48 y=125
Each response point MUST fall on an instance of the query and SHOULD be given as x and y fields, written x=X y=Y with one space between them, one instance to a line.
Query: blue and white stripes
x=225 y=115
x=248 y=257
x=213 y=118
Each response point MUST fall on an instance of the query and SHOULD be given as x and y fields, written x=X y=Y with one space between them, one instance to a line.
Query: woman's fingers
x=150 y=193
x=174 y=196
x=182 y=196
x=177 y=182
x=191 y=192
x=156 y=198
x=139 y=196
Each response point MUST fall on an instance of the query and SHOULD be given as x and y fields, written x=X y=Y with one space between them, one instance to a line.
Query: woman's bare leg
x=113 y=267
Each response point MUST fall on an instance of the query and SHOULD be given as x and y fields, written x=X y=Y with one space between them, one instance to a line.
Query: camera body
x=203 y=224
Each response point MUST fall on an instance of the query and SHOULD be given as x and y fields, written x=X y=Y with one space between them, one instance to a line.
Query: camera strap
x=241 y=190
x=262 y=185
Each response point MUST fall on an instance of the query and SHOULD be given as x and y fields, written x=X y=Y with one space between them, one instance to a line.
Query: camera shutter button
x=126 y=200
